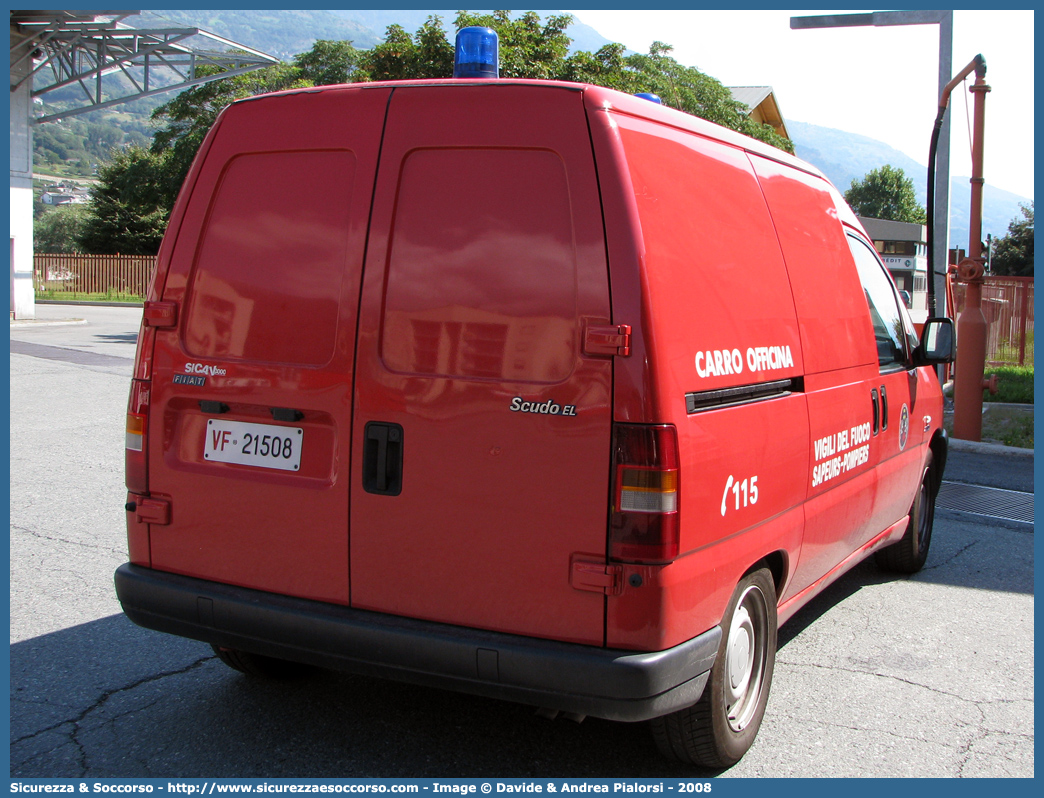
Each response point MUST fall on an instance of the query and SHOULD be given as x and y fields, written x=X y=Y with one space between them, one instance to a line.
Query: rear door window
x=268 y=274
x=483 y=285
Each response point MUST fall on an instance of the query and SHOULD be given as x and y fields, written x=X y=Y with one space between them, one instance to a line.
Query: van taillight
x=137 y=426
x=643 y=525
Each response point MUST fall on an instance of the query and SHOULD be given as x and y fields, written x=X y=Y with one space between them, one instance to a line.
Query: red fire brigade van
x=533 y=390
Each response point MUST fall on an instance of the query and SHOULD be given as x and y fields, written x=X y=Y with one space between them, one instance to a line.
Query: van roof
x=597 y=98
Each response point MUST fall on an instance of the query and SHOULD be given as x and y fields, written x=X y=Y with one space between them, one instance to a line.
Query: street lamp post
x=944 y=19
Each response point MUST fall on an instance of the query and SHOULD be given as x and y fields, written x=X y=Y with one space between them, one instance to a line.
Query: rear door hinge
x=612 y=340
x=151 y=511
x=597 y=577
x=160 y=314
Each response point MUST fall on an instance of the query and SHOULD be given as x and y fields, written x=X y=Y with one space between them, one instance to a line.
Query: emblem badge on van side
x=203 y=368
x=548 y=408
x=904 y=427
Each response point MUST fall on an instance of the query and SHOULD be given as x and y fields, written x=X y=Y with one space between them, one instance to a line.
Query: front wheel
x=719 y=728
x=908 y=554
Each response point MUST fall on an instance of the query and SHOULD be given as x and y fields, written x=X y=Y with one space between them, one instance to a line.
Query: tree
x=427 y=54
x=57 y=230
x=190 y=115
x=1013 y=254
x=529 y=49
x=330 y=63
x=128 y=211
x=886 y=193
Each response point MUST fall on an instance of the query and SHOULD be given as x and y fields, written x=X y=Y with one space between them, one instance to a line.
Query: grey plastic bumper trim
x=606 y=683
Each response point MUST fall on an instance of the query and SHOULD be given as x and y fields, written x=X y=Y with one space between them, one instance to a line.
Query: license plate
x=260 y=445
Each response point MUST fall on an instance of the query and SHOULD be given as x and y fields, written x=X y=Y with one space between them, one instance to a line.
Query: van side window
x=891 y=332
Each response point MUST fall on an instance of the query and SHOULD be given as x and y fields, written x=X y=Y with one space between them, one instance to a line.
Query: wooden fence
x=55 y=275
x=1007 y=304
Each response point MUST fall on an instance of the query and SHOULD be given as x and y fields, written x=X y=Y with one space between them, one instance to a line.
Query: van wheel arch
x=718 y=729
x=908 y=554
x=938 y=449
x=777 y=563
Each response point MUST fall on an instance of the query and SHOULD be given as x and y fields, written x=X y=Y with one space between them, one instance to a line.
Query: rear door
x=482 y=428
x=251 y=389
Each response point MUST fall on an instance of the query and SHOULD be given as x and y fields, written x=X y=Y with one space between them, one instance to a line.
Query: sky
x=877 y=82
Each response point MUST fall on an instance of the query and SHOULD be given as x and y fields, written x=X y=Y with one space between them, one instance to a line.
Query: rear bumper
x=605 y=683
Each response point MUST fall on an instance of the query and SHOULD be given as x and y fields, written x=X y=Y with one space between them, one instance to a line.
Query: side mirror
x=938 y=344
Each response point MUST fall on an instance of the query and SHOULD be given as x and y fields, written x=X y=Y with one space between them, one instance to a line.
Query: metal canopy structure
x=82 y=48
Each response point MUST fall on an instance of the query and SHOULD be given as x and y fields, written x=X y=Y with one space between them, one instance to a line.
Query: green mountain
x=280 y=33
x=844 y=157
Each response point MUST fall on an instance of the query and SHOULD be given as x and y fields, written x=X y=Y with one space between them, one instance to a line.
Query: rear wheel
x=908 y=554
x=719 y=728
x=259 y=665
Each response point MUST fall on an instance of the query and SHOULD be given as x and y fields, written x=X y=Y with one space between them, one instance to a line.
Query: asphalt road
x=923 y=676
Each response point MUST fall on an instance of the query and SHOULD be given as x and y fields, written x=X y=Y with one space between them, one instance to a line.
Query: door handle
x=877 y=410
x=382 y=458
x=884 y=409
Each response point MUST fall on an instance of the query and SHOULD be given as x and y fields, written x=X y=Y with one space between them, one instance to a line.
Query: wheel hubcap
x=745 y=658
x=741 y=654
x=923 y=512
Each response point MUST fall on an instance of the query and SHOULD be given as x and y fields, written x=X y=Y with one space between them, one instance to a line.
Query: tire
x=258 y=665
x=908 y=554
x=718 y=729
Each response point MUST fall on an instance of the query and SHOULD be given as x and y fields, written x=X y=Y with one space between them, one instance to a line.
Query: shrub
x=1014 y=384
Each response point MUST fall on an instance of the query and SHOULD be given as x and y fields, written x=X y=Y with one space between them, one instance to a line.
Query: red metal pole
x=971 y=326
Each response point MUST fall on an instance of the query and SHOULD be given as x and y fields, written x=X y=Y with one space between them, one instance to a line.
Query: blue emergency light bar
x=653 y=98
x=477 y=53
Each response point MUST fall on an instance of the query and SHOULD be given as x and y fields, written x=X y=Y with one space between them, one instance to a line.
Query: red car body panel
x=485 y=265
x=474 y=283
x=261 y=203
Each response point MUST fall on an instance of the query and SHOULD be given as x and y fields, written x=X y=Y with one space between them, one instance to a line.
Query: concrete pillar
x=23 y=305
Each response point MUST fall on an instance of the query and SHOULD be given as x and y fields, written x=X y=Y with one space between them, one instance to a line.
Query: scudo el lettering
x=548 y=408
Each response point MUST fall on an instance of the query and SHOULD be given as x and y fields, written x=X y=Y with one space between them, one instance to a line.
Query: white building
x=903 y=248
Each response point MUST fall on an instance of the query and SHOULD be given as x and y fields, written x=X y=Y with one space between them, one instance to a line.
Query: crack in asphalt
x=867 y=730
x=879 y=675
x=41 y=535
x=978 y=731
x=952 y=557
x=73 y=734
